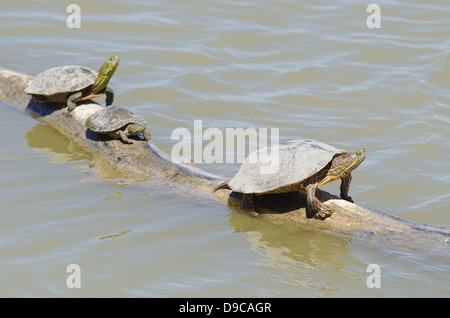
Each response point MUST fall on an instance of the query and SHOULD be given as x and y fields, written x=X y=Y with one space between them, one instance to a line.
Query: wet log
x=148 y=165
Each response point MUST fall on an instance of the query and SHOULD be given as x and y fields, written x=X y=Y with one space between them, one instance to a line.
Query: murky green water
x=311 y=69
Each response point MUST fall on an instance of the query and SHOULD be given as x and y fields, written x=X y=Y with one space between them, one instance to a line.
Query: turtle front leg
x=109 y=96
x=247 y=204
x=71 y=101
x=124 y=137
x=345 y=186
x=315 y=208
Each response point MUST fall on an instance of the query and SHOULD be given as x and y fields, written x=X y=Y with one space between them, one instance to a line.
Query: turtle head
x=136 y=128
x=105 y=73
x=343 y=165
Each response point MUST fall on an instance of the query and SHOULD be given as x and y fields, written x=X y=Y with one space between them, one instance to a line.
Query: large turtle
x=118 y=122
x=298 y=165
x=72 y=83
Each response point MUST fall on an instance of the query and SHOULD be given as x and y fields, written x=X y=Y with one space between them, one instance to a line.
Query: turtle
x=118 y=122
x=297 y=165
x=72 y=83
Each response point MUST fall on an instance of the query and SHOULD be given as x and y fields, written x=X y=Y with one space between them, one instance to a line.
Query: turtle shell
x=112 y=118
x=279 y=165
x=61 y=80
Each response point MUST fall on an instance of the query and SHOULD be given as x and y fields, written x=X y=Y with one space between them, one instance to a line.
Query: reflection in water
x=46 y=140
x=114 y=196
x=294 y=255
x=62 y=150
x=118 y=195
x=298 y=245
x=330 y=261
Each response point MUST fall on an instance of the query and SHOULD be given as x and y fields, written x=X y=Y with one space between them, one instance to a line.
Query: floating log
x=144 y=162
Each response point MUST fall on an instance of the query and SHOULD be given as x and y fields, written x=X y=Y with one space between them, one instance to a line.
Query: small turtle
x=118 y=122
x=73 y=83
x=302 y=165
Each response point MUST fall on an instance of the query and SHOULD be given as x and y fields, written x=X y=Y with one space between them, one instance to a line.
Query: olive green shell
x=281 y=165
x=58 y=82
x=112 y=118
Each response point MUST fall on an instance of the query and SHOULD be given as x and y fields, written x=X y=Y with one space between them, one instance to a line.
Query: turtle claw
x=318 y=211
x=323 y=213
x=248 y=205
x=347 y=198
